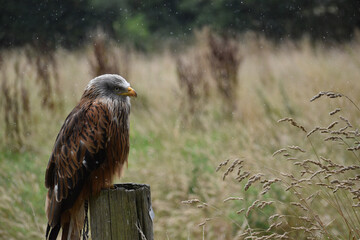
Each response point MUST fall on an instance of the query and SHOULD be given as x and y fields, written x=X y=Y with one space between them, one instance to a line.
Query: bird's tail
x=71 y=223
x=52 y=232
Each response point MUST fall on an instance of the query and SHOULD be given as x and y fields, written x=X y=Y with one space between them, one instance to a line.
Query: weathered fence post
x=122 y=213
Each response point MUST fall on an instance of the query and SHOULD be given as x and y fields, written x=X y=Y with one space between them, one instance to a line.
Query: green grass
x=23 y=192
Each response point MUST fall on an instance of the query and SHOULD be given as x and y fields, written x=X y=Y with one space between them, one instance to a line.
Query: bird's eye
x=117 y=89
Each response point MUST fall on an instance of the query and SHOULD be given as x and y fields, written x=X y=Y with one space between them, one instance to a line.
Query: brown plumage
x=90 y=150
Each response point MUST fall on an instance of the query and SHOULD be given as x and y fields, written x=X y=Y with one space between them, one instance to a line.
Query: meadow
x=275 y=179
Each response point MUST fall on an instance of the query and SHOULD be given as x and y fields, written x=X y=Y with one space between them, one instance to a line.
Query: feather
x=90 y=149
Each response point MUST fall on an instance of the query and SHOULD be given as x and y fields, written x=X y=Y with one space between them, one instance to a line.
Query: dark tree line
x=50 y=23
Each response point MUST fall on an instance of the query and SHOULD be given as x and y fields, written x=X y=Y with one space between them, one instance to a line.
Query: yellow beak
x=131 y=93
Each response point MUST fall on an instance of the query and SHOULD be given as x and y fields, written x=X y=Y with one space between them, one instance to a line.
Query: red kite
x=90 y=150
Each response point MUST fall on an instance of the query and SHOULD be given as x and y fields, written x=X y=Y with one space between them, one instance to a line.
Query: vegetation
x=284 y=192
x=145 y=24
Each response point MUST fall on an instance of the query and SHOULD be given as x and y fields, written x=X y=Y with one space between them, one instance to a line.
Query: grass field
x=178 y=159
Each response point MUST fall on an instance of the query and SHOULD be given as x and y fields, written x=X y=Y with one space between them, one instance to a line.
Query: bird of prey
x=90 y=150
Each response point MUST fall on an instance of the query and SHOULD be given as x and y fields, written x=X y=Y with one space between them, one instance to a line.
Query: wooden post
x=122 y=213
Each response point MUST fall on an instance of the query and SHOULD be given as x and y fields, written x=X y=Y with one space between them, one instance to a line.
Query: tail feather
x=47 y=231
x=65 y=231
x=52 y=233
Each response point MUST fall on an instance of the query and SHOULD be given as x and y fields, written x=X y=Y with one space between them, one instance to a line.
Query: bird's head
x=110 y=85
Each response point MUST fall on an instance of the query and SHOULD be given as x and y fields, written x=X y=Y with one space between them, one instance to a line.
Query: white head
x=110 y=86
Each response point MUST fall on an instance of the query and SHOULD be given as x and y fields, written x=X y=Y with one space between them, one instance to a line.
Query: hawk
x=90 y=150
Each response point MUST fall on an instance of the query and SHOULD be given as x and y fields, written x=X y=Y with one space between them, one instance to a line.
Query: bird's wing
x=80 y=148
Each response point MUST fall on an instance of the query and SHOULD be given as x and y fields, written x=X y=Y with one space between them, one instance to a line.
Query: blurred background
x=148 y=24
x=213 y=78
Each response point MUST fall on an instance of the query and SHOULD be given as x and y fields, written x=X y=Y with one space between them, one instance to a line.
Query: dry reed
x=107 y=58
x=224 y=59
x=16 y=105
x=193 y=85
x=47 y=76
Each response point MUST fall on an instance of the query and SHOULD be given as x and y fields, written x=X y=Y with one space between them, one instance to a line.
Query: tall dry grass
x=318 y=199
x=16 y=110
x=216 y=58
x=224 y=59
x=193 y=85
x=106 y=58
x=180 y=163
x=46 y=75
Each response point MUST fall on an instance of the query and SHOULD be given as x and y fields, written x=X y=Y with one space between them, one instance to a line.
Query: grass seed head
x=334 y=111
